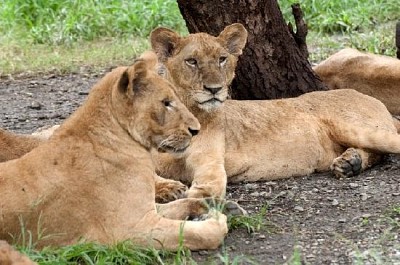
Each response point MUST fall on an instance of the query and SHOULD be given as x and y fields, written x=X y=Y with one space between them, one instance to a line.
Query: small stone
x=35 y=105
x=364 y=196
x=366 y=215
x=299 y=208
x=261 y=236
x=203 y=252
x=353 y=185
x=342 y=220
x=250 y=186
x=396 y=194
x=335 y=202
x=233 y=248
x=255 y=194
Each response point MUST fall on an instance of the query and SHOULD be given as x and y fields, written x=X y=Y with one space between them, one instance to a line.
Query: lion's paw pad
x=347 y=165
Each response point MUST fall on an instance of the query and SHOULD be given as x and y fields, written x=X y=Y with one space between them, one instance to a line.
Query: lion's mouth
x=172 y=149
x=212 y=102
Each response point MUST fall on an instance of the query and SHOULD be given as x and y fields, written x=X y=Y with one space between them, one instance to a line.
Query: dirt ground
x=322 y=219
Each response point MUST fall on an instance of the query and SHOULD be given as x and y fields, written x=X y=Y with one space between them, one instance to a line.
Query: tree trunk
x=274 y=63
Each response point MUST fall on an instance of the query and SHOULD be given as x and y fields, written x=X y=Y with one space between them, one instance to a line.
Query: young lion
x=374 y=75
x=93 y=178
x=341 y=130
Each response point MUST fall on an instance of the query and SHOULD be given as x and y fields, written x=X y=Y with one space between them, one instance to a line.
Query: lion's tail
x=376 y=140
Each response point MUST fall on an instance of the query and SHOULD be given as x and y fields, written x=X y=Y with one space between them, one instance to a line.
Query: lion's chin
x=210 y=105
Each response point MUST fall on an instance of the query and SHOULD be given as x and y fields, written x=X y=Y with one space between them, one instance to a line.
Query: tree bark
x=273 y=64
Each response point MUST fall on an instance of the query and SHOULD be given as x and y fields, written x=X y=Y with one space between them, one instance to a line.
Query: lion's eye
x=191 y=62
x=167 y=103
x=222 y=60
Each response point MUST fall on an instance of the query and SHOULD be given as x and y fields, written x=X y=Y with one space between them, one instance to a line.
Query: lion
x=94 y=178
x=9 y=256
x=375 y=75
x=340 y=130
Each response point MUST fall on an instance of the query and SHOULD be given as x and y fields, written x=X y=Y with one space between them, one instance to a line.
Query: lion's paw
x=349 y=164
x=169 y=190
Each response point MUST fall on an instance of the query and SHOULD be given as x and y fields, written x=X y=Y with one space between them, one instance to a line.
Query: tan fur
x=374 y=75
x=9 y=256
x=94 y=178
x=13 y=146
x=263 y=140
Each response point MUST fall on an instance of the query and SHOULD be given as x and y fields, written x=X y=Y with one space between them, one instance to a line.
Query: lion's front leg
x=208 y=181
x=168 y=190
x=195 y=208
x=207 y=162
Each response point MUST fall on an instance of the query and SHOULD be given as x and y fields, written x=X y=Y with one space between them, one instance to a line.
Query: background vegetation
x=65 y=35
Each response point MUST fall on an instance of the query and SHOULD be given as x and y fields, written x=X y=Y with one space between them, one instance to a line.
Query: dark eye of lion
x=191 y=62
x=166 y=102
x=222 y=60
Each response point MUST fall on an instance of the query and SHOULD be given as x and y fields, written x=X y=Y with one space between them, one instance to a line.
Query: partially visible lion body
x=342 y=130
x=9 y=256
x=267 y=140
x=374 y=75
x=94 y=178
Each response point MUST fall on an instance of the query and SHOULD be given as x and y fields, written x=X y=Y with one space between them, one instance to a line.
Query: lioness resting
x=94 y=178
x=374 y=75
x=341 y=130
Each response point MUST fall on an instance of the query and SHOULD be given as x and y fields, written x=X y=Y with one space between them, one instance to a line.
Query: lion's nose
x=214 y=89
x=193 y=132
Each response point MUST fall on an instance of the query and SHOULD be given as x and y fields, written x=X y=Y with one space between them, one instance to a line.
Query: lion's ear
x=141 y=68
x=150 y=58
x=123 y=82
x=163 y=42
x=234 y=38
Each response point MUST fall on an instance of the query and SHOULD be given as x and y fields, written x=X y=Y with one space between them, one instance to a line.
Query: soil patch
x=313 y=219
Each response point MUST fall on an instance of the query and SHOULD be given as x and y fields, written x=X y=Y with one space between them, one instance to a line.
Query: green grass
x=64 y=35
x=66 y=21
x=92 y=253
x=334 y=25
x=252 y=223
x=19 y=57
x=332 y=16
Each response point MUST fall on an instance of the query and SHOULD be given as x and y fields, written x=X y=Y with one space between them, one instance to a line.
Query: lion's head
x=147 y=107
x=201 y=66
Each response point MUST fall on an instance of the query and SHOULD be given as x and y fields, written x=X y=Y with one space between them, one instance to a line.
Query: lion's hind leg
x=352 y=161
